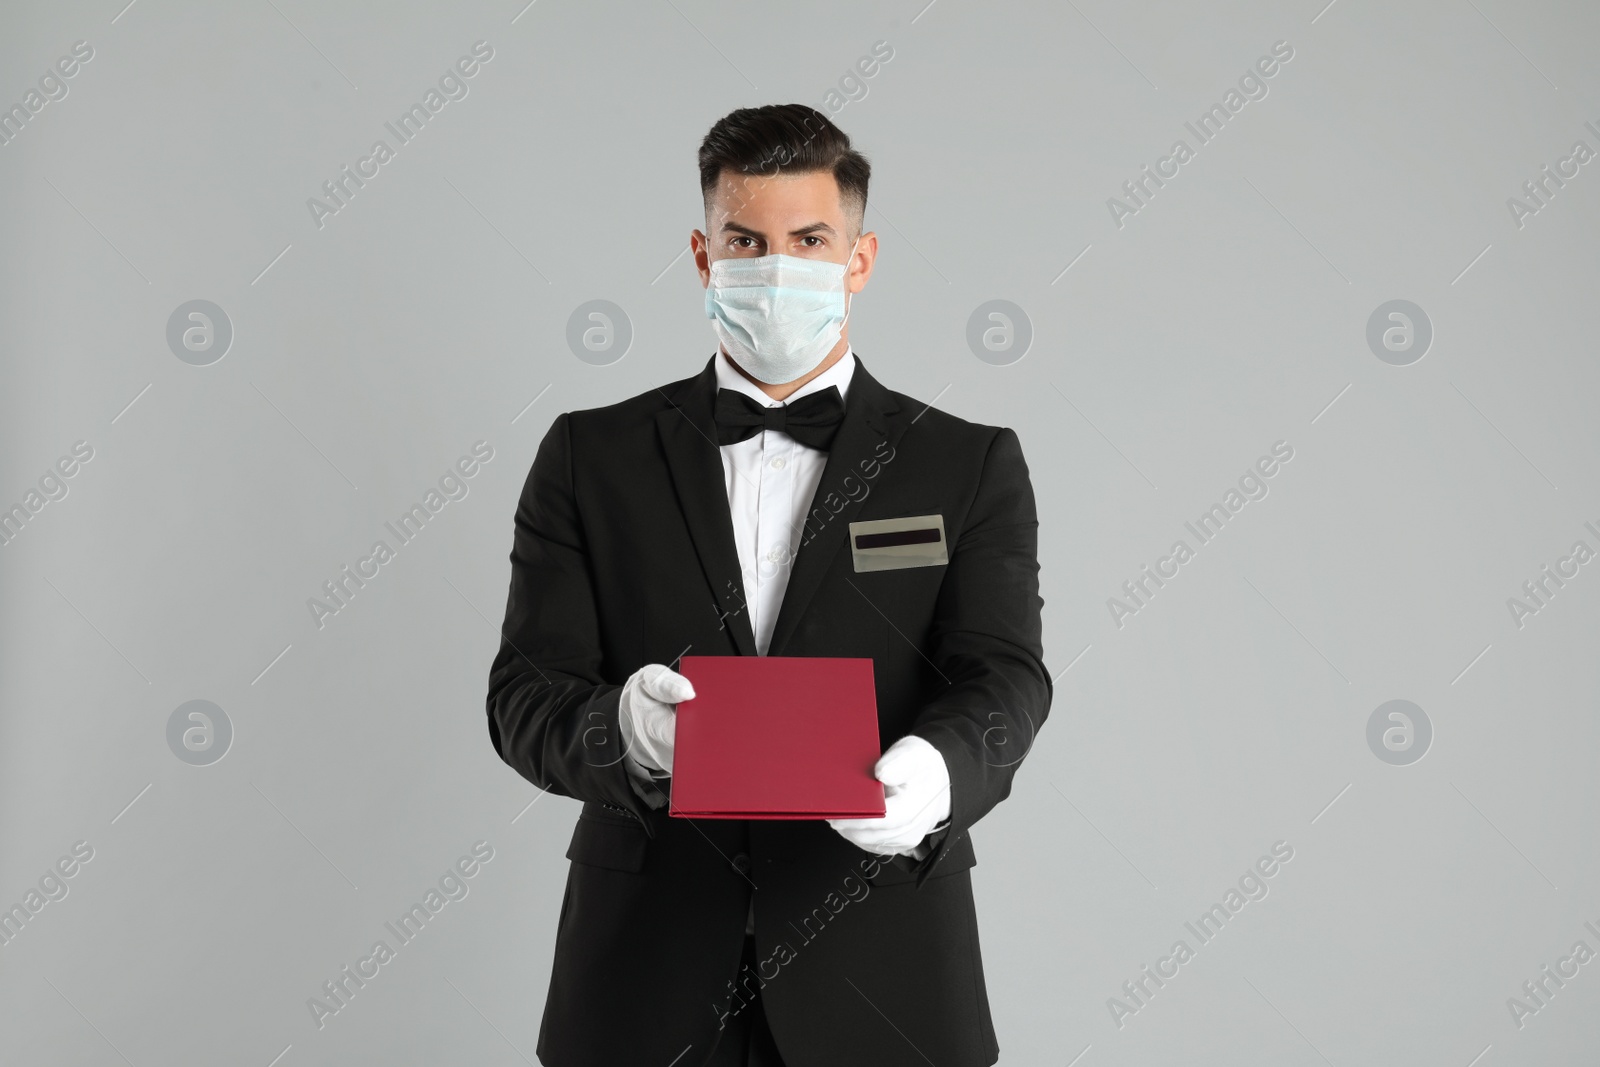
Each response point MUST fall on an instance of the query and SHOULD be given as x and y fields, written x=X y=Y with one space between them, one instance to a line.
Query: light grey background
x=1228 y=314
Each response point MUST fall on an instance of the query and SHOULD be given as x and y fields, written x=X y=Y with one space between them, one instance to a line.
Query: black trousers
x=746 y=1041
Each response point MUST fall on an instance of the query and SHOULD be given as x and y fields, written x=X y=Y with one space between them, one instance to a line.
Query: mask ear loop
x=710 y=285
x=847 y=293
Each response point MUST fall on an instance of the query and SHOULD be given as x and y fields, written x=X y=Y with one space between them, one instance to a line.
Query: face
x=794 y=214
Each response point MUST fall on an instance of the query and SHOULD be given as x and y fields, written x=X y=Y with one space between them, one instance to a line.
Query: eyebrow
x=804 y=231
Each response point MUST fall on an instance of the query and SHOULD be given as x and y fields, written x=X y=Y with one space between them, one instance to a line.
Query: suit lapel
x=867 y=435
x=689 y=438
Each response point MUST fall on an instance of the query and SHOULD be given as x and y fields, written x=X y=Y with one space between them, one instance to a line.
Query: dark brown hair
x=785 y=138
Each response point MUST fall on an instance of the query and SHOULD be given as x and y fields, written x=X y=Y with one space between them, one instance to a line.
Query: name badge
x=891 y=544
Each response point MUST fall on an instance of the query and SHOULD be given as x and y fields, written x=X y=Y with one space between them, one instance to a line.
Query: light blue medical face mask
x=778 y=316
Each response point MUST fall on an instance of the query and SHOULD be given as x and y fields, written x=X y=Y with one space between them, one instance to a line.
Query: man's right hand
x=647 y=711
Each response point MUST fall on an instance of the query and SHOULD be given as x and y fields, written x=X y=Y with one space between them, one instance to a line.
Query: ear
x=700 y=247
x=861 y=261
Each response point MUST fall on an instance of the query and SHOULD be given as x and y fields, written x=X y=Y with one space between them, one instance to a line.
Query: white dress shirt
x=771 y=479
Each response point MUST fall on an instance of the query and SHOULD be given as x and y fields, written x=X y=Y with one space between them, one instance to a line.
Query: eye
x=813 y=237
x=736 y=240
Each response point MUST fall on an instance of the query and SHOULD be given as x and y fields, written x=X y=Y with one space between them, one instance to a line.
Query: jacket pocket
x=958 y=857
x=605 y=839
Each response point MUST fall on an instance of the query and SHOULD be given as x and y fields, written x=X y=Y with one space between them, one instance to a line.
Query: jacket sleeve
x=986 y=642
x=552 y=717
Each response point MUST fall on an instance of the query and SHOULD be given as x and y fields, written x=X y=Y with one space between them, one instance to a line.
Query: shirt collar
x=838 y=375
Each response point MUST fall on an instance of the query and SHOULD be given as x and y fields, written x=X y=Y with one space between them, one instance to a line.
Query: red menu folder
x=777 y=737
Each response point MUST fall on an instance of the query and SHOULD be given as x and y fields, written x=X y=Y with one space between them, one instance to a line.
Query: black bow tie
x=812 y=420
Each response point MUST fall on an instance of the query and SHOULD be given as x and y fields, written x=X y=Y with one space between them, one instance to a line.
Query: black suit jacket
x=624 y=555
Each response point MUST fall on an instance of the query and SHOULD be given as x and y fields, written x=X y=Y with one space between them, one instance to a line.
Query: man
x=714 y=515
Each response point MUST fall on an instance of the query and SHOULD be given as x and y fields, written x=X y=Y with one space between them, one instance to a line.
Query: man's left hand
x=916 y=789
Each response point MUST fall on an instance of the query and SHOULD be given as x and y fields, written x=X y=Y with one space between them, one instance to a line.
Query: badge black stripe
x=899 y=537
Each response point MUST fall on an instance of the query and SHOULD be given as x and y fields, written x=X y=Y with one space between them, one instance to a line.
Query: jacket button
x=741 y=863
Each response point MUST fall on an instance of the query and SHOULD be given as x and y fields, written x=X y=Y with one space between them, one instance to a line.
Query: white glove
x=916 y=789
x=647 y=712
